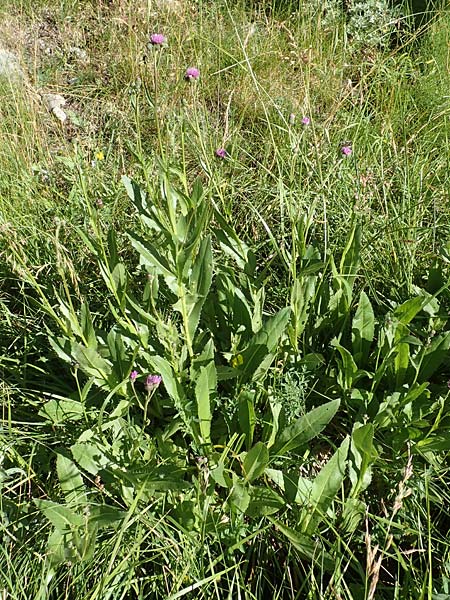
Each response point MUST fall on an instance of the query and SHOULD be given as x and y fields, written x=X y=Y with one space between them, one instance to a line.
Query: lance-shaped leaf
x=324 y=489
x=363 y=328
x=255 y=461
x=259 y=354
x=305 y=428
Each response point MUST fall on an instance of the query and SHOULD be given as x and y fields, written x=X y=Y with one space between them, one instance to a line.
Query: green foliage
x=225 y=376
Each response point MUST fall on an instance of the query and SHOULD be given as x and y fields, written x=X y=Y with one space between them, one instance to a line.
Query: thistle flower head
x=346 y=150
x=221 y=153
x=152 y=382
x=192 y=73
x=306 y=121
x=133 y=376
x=157 y=39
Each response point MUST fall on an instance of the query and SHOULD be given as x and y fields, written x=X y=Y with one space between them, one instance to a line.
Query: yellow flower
x=99 y=155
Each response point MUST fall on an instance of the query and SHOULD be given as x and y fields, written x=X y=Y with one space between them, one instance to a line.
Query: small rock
x=59 y=114
x=54 y=102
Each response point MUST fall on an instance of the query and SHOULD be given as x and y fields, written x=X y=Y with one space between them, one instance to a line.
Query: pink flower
x=158 y=39
x=221 y=153
x=133 y=376
x=152 y=382
x=306 y=121
x=192 y=73
x=346 y=150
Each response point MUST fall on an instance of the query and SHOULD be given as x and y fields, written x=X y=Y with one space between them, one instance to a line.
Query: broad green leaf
x=434 y=443
x=363 y=455
x=59 y=515
x=264 y=343
x=71 y=481
x=347 y=367
x=246 y=415
x=287 y=482
x=406 y=312
x=302 y=293
x=203 y=403
x=103 y=515
x=62 y=411
x=149 y=255
x=135 y=194
x=351 y=256
x=174 y=389
x=305 y=428
x=239 y=497
x=401 y=363
x=352 y=514
x=91 y=362
x=199 y=283
x=363 y=328
x=434 y=355
x=324 y=489
x=255 y=461
x=155 y=478
x=90 y=457
x=264 y=501
x=87 y=326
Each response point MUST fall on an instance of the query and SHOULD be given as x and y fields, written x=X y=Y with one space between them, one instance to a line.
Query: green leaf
x=134 y=192
x=174 y=389
x=406 y=312
x=352 y=514
x=347 y=367
x=307 y=548
x=303 y=290
x=91 y=362
x=363 y=455
x=103 y=515
x=434 y=443
x=258 y=356
x=71 y=481
x=59 y=515
x=263 y=501
x=246 y=415
x=199 y=284
x=255 y=461
x=239 y=497
x=203 y=403
x=305 y=428
x=351 y=255
x=434 y=355
x=363 y=328
x=325 y=487
x=90 y=457
x=149 y=255
x=62 y=411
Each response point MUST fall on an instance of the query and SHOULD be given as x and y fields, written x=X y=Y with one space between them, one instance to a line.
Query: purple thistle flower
x=152 y=382
x=133 y=376
x=221 y=153
x=306 y=121
x=346 y=150
x=157 y=39
x=192 y=73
